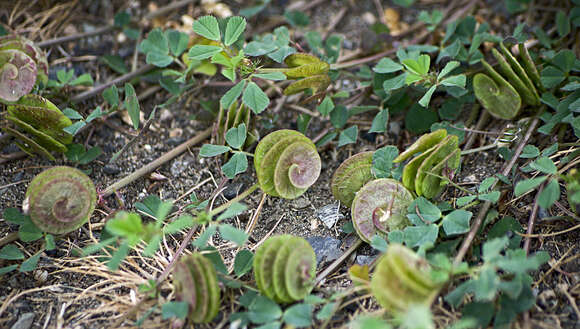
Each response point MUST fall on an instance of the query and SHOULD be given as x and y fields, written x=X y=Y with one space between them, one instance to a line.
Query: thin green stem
x=238 y=198
x=479 y=149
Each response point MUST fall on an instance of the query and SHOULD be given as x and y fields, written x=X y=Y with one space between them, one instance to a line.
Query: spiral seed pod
x=440 y=157
x=195 y=282
x=60 y=199
x=350 y=176
x=29 y=48
x=39 y=124
x=233 y=117
x=502 y=94
x=402 y=279
x=286 y=163
x=285 y=268
x=309 y=67
x=21 y=64
x=379 y=207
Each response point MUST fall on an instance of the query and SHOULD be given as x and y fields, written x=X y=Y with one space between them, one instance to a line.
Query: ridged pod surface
x=401 y=279
x=22 y=64
x=350 y=176
x=502 y=94
x=379 y=207
x=286 y=163
x=39 y=124
x=195 y=281
x=60 y=199
x=440 y=155
x=233 y=117
x=285 y=268
x=310 y=69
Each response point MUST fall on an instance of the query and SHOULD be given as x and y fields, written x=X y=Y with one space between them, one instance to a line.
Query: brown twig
x=466 y=244
x=532 y=219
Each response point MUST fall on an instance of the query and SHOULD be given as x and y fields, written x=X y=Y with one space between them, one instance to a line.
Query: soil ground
x=66 y=291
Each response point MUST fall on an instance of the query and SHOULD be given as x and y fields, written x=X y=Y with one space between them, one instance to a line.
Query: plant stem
x=479 y=149
x=156 y=163
x=59 y=40
x=466 y=244
x=124 y=78
x=238 y=198
x=10 y=237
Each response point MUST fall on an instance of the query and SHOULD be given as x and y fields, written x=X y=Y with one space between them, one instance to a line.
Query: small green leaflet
x=234 y=210
x=326 y=106
x=211 y=150
x=379 y=124
x=200 y=52
x=175 y=310
x=457 y=222
x=208 y=27
x=387 y=65
x=237 y=164
x=528 y=184
x=243 y=262
x=255 y=98
x=231 y=95
x=348 y=136
x=236 y=26
x=236 y=137
x=234 y=234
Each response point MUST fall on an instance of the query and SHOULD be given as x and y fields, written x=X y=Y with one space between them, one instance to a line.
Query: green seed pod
x=502 y=98
x=286 y=163
x=60 y=199
x=300 y=59
x=516 y=75
x=39 y=124
x=440 y=156
x=495 y=94
x=308 y=70
x=29 y=48
x=316 y=83
x=195 y=282
x=379 y=207
x=402 y=279
x=285 y=268
x=350 y=176
x=233 y=117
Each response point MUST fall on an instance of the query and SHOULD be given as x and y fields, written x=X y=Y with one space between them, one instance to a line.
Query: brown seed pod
x=195 y=282
x=286 y=163
x=60 y=199
x=285 y=268
x=39 y=124
x=402 y=279
x=379 y=207
x=350 y=176
x=22 y=64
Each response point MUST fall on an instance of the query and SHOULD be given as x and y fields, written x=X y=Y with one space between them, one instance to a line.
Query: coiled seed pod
x=379 y=207
x=286 y=163
x=502 y=94
x=309 y=67
x=350 y=176
x=195 y=282
x=440 y=157
x=21 y=65
x=402 y=279
x=60 y=199
x=285 y=268
x=39 y=124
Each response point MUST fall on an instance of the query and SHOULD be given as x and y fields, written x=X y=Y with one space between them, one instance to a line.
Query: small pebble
x=326 y=249
x=300 y=203
x=365 y=260
x=24 y=322
x=111 y=169
x=329 y=214
x=232 y=190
